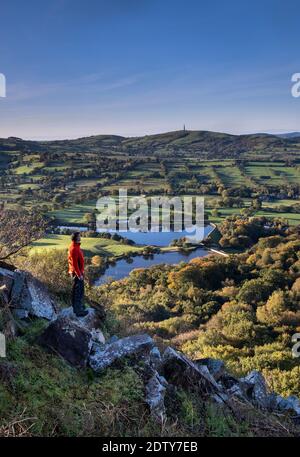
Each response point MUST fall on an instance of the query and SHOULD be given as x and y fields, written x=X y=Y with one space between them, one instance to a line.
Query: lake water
x=165 y=238
x=122 y=267
x=157 y=238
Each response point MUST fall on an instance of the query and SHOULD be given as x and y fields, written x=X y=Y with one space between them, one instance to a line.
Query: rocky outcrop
x=72 y=337
x=256 y=389
x=135 y=346
x=290 y=404
x=155 y=396
x=251 y=388
x=68 y=339
x=91 y=322
x=181 y=371
x=81 y=342
x=31 y=298
x=155 y=359
x=27 y=296
x=215 y=367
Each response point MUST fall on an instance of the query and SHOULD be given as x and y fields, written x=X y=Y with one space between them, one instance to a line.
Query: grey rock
x=228 y=381
x=21 y=313
x=68 y=339
x=40 y=303
x=6 y=280
x=280 y=401
x=179 y=370
x=238 y=390
x=155 y=396
x=90 y=322
x=112 y=339
x=216 y=367
x=17 y=288
x=97 y=336
x=272 y=401
x=255 y=385
x=251 y=388
x=290 y=403
x=135 y=346
x=155 y=358
x=163 y=381
x=29 y=297
x=220 y=398
x=293 y=400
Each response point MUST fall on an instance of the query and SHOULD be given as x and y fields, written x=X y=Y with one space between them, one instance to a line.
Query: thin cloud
x=96 y=83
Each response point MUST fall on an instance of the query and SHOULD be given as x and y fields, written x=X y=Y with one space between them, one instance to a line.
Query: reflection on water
x=165 y=238
x=157 y=238
x=123 y=267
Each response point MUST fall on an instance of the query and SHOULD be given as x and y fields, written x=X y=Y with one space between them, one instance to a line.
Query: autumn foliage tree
x=243 y=309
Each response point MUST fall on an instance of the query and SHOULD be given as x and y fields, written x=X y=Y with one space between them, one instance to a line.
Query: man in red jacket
x=76 y=270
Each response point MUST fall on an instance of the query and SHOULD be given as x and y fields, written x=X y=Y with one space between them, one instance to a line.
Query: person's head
x=75 y=237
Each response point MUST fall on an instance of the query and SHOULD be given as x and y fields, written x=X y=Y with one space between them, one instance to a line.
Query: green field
x=90 y=246
x=76 y=214
x=28 y=169
x=65 y=178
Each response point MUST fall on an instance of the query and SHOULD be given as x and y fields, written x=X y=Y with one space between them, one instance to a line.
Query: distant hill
x=215 y=143
x=90 y=143
x=289 y=135
x=195 y=142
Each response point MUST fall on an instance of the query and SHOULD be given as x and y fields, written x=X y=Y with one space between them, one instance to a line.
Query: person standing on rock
x=76 y=271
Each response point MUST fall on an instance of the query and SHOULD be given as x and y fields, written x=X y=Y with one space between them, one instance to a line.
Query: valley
x=246 y=174
x=241 y=308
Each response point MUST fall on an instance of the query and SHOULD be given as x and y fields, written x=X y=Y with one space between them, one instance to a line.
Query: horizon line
x=148 y=134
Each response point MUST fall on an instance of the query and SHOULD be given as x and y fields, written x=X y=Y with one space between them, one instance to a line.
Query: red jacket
x=76 y=259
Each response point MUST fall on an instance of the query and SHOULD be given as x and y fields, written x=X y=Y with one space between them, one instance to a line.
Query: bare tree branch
x=18 y=229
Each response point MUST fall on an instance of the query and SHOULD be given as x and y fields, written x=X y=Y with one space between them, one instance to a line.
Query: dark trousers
x=77 y=294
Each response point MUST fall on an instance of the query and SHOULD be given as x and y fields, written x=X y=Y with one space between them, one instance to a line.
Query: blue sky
x=134 y=67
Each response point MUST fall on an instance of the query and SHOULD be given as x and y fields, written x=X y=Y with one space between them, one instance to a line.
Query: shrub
x=49 y=266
